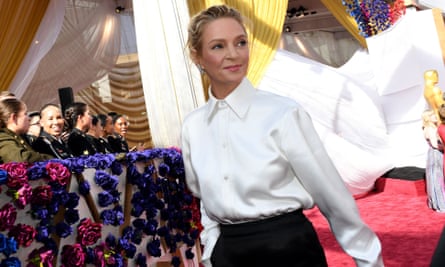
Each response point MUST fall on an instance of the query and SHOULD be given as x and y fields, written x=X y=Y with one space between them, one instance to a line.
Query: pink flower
x=88 y=232
x=23 y=233
x=17 y=174
x=58 y=172
x=8 y=215
x=42 y=257
x=73 y=256
x=23 y=196
x=42 y=195
x=99 y=259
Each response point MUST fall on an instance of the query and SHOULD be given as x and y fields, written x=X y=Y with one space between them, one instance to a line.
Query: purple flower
x=106 y=181
x=105 y=198
x=37 y=170
x=84 y=188
x=63 y=229
x=42 y=233
x=116 y=168
x=154 y=248
x=164 y=169
x=113 y=216
x=73 y=200
x=71 y=216
x=40 y=213
x=176 y=262
x=77 y=164
x=141 y=260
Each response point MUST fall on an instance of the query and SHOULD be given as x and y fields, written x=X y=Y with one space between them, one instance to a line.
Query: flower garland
x=43 y=213
x=374 y=16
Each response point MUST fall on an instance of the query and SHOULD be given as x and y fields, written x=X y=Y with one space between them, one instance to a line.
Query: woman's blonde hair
x=9 y=105
x=200 y=20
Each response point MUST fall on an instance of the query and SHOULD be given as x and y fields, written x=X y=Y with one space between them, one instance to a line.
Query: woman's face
x=225 y=53
x=22 y=121
x=121 y=126
x=84 y=120
x=109 y=127
x=52 y=121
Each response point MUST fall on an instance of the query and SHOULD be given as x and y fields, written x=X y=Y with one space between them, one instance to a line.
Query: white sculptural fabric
x=348 y=119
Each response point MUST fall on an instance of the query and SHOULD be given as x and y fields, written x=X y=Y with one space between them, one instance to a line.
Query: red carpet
x=398 y=212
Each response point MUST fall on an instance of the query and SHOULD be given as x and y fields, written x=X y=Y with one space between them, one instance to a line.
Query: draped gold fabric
x=127 y=98
x=264 y=21
x=19 y=21
x=339 y=11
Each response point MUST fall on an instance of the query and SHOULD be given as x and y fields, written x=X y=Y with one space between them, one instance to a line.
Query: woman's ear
x=194 y=56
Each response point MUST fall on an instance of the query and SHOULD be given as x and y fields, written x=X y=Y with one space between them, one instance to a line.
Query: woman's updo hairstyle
x=199 y=21
x=73 y=112
x=9 y=105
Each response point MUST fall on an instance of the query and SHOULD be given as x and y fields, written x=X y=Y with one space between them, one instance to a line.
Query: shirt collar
x=239 y=100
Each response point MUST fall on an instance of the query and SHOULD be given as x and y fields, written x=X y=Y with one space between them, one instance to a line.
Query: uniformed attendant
x=78 y=118
x=117 y=139
x=14 y=123
x=49 y=140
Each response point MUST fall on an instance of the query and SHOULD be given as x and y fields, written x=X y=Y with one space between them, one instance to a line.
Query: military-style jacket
x=14 y=148
x=49 y=144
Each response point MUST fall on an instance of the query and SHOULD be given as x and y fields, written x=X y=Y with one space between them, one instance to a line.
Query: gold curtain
x=20 y=21
x=339 y=11
x=127 y=97
x=264 y=21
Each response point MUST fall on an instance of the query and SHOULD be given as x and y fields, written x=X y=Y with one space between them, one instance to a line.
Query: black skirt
x=286 y=240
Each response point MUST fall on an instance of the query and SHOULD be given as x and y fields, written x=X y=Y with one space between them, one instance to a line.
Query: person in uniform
x=49 y=140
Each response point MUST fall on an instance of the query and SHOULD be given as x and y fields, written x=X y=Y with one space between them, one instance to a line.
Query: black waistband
x=267 y=224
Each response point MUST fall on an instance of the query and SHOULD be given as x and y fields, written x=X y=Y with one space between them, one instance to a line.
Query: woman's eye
x=218 y=46
x=242 y=43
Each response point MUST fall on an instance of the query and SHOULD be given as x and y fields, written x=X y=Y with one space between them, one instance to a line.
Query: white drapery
x=87 y=47
x=44 y=39
x=172 y=85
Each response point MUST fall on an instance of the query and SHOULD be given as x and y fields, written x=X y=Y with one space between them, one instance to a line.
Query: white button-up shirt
x=255 y=155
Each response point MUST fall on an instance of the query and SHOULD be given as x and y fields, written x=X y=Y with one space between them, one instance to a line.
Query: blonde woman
x=256 y=162
x=14 y=124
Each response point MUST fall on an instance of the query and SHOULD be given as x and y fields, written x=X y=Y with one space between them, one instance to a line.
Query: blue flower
x=11 y=246
x=2 y=243
x=10 y=262
x=3 y=176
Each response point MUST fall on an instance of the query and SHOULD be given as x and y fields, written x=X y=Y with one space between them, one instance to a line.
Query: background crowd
x=55 y=133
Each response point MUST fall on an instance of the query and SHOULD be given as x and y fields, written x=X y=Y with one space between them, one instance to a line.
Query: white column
x=172 y=85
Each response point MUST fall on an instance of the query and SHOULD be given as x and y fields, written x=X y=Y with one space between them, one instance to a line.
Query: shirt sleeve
x=211 y=231
x=317 y=173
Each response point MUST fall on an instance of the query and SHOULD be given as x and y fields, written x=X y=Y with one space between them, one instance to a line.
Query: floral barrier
x=104 y=210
